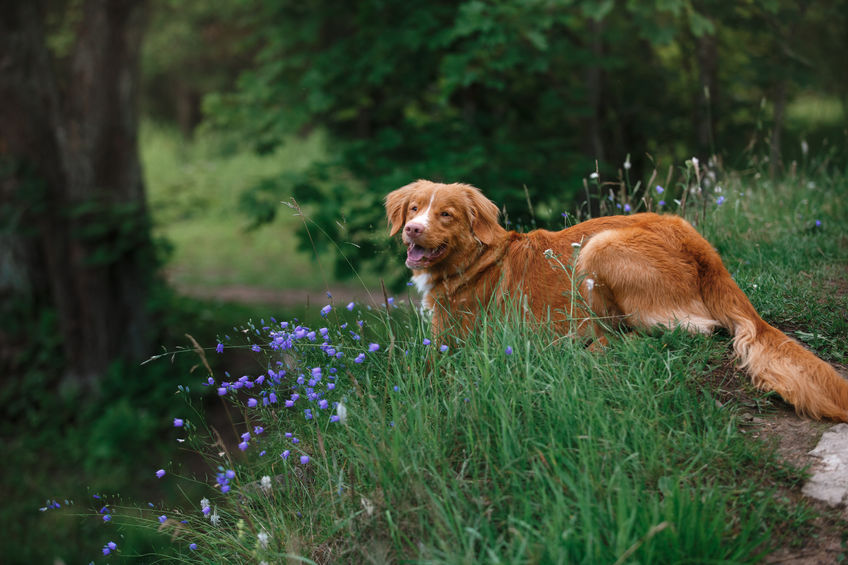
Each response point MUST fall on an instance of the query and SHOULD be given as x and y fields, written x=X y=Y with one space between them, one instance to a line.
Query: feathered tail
x=774 y=360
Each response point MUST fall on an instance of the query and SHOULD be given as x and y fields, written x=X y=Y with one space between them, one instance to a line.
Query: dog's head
x=441 y=223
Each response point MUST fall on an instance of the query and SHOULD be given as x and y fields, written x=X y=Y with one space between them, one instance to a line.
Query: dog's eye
x=414 y=208
x=446 y=214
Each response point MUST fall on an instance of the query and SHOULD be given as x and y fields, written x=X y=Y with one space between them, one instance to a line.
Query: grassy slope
x=550 y=454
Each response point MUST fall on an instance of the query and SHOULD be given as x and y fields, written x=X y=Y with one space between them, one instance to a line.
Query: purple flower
x=627 y=207
x=289 y=403
x=322 y=404
x=230 y=474
x=326 y=310
x=112 y=545
x=316 y=372
x=818 y=223
x=351 y=306
x=252 y=402
x=162 y=519
x=359 y=358
x=255 y=348
x=219 y=348
x=304 y=459
x=178 y=422
x=285 y=454
x=508 y=350
x=720 y=200
x=243 y=446
x=426 y=341
x=331 y=386
x=160 y=473
x=258 y=430
x=372 y=347
x=443 y=348
x=661 y=202
x=222 y=391
x=107 y=518
x=660 y=189
x=225 y=488
x=192 y=546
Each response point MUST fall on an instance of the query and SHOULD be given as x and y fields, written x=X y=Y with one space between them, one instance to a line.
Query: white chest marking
x=422 y=282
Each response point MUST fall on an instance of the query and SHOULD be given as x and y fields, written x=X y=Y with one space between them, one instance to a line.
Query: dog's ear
x=483 y=216
x=396 y=203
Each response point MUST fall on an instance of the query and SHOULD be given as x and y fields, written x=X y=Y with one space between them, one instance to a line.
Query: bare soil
x=774 y=422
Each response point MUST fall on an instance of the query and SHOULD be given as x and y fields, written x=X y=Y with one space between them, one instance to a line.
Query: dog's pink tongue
x=415 y=253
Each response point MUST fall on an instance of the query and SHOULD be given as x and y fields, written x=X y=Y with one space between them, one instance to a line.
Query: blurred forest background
x=148 y=146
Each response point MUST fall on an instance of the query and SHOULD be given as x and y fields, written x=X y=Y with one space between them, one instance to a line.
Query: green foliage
x=550 y=453
x=508 y=95
x=196 y=189
x=67 y=442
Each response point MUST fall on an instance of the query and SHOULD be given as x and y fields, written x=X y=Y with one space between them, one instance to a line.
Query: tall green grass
x=513 y=445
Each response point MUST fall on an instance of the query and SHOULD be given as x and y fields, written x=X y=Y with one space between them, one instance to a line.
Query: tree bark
x=595 y=88
x=775 y=153
x=706 y=50
x=71 y=137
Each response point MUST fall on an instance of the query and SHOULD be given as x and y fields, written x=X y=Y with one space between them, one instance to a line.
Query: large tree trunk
x=72 y=132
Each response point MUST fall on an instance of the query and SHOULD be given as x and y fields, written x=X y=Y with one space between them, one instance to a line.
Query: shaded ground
x=773 y=421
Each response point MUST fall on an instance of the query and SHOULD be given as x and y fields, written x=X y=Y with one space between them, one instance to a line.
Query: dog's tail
x=774 y=360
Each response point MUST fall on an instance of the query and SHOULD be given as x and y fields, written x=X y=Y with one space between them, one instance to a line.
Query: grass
x=194 y=189
x=511 y=447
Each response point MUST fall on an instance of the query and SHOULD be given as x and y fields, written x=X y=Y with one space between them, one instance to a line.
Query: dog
x=640 y=271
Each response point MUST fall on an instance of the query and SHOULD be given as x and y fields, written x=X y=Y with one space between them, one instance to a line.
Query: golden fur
x=641 y=271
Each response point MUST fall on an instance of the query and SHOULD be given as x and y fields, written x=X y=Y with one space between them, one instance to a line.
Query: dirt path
x=795 y=437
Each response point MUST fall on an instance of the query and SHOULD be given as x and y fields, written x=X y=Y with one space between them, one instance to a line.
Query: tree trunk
x=775 y=159
x=706 y=49
x=77 y=179
x=595 y=88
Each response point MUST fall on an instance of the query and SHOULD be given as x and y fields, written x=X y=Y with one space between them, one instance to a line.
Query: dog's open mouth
x=418 y=257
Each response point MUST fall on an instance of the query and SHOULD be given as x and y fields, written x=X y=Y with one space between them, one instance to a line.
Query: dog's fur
x=642 y=271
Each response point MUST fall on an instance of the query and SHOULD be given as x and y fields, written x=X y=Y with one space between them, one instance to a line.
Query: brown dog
x=641 y=271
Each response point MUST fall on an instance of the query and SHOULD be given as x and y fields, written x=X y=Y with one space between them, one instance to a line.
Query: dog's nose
x=413 y=230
